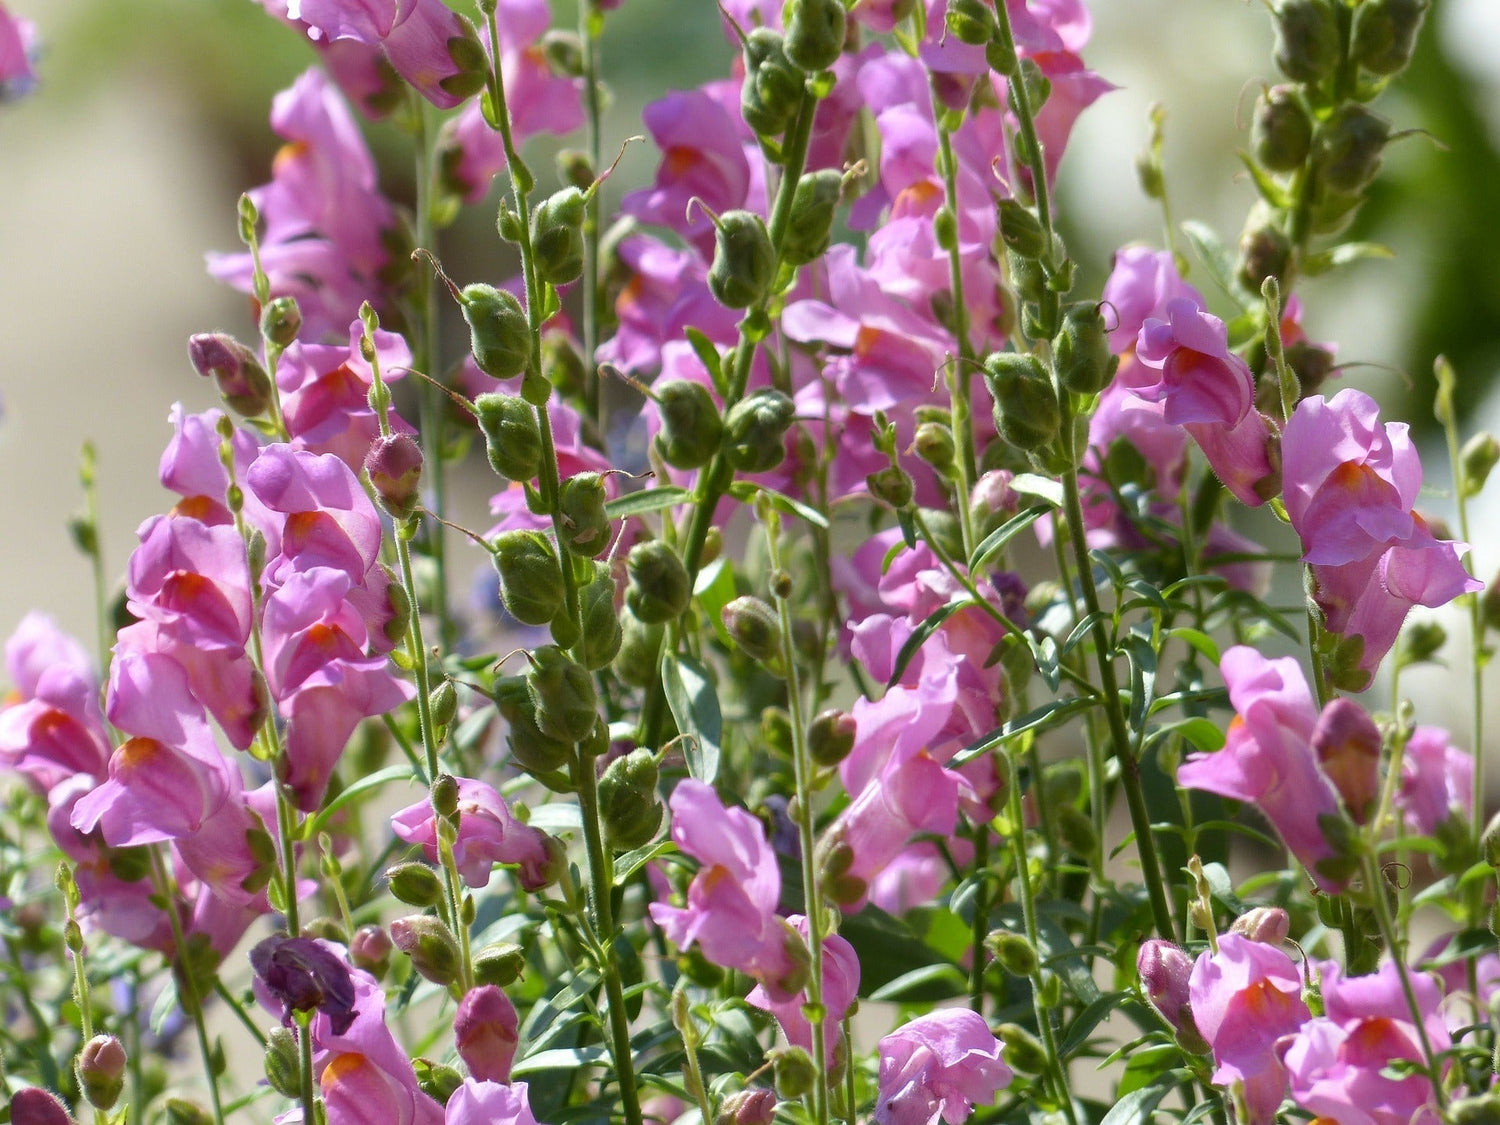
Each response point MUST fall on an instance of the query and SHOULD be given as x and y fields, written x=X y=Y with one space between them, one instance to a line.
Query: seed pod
x=830 y=737
x=773 y=85
x=1307 y=39
x=499 y=335
x=811 y=223
x=628 y=805
x=557 y=236
x=971 y=22
x=430 y=944
x=500 y=964
x=794 y=1072
x=283 y=1064
x=814 y=33
x=933 y=443
x=415 y=884
x=235 y=369
x=531 y=581
x=659 y=586
x=744 y=260
x=1015 y=954
x=691 y=429
x=280 y=321
x=529 y=748
x=1480 y=455
x=891 y=485
x=600 y=639
x=1385 y=32
x=1281 y=130
x=756 y=431
x=562 y=695
x=1021 y=230
x=445 y=795
x=584 y=528
x=1081 y=352
x=442 y=703
x=754 y=626
x=1026 y=412
x=394 y=466
x=640 y=647
x=1022 y=1050
x=512 y=438
x=1265 y=251
x=101 y=1071
x=1349 y=147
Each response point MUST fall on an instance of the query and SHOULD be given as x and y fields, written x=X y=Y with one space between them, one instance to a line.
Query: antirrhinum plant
x=775 y=777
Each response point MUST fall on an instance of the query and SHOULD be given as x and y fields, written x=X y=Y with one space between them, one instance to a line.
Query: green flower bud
x=756 y=431
x=1265 y=251
x=1026 y=412
x=281 y=320
x=512 y=438
x=1307 y=39
x=1081 y=352
x=830 y=737
x=659 y=585
x=532 y=750
x=971 y=22
x=181 y=1111
x=500 y=964
x=1385 y=32
x=575 y=167
x=1021 y=230
x=437 y=1080
x=1027 y=277
x=691 y=429
x=1015 y=954
x=1349 y=146
x=811 y=223
x=1022 y=1050
x=891 y=485
x=1001 y=57
x=640 y=648
x=445 y=795
x=442 y=703
x=934 y=444
x=814 y=33
x=499 y=335
x=370 y=950
x=562 y=695
x=744 y=260
x=1281 y=130
x=415 y=884
x=508 y=223
x=564 y=53
x=283 y=1064
x=565 y=631
x=557 y=236
x=1483 y=1109
x=628 y=805
x=1076 y=831
x=584 y=526
x=235 y=369
x=1420 y=641
x=773 y=86
x=602 y=632
x=470 y=62
x=794 y=1072
x=1311 y=364
x=531 y=580
x=1480 y=453
x=101 y=1071
x=755 y=628
x=430 y=944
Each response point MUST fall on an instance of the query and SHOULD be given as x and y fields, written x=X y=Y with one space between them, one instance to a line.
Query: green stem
x=589 y=19
x=981 y=926
x=239 y=1010
x=966 y=464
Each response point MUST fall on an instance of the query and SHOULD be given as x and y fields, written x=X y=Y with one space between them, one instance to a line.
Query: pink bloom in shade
x=940 y=1065
x=221 y=854
x=325 y=394
x=702 y=156
x=489 y=1103
x=485 y=1033
x=17 y=44
x=840 y=987
x=1437 y=780
x=1347 y=744
x=167 y=779
x=438 y=52
x=667 y=291
x=488 y=833
x=38 y=645
x=1267 y=757
x=358 y=67
x=732 y=900
x=1336 y=1061
x=1244 y=998
x=1141 y=285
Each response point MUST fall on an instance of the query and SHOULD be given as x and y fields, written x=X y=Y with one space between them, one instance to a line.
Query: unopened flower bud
x=1480 y=454
x=1347 y=744
x=659 y=588
x=1307 y=39
x=235 y=369
x=1022 y=1050
x=575 y=167
x=562 y=695
x=485 y=1033
x=1081 y=352
x=811 y=222
x=891 y=485
x=599 y=641
x=101 y=1071
x=1265 y=251
x=773 y=85
x=1349 y=146
x=934 y=444
x=640 y=646
x=814 y=33
x=564 y=53
x=744 y=262
x=754 y=627
x=499 y=334
x=1385 y=32
x=971 y=21
x=430 y=944
x=1268 y=925
x=281 y=320
x=512 y=439
x=394 y=466
x=830 y=736
x=370 y=950
x=283 y=1065
x=1164 y=970
x=1016 y=955
x=584 y=528
x=1281 y=130
x=793 y=1070
x=1021 y=230
x=1311 y=364
x=415 y=884
x=531 y=580
x=628 y=805
x=755 y=1106
x=500 y=964
x=33 y=1105
x=691 y=428
x=1026 y=412
x=180 y=1111
x=557 y=236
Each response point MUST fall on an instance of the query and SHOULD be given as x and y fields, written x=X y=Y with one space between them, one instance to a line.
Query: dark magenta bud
x=1385 y=32
x=811 y=223
x=101 y=1071
x=33 y=1105
x=584 y=528
x=430 y=944
x=1080 y=351
x=756 y=431
x=1307 y=39
x=486 y=1031
x=1347 y=743
x=691 y=429
x=557 y=236
x=499 y=334
x=628 y=805
x=744 y=262
x=562 y=695
x=235 y=370
x=659 y=588
x=304 y=976
x=814 y=33
x=531 y=580
x=1281 y=130
x=512 y=439
x=394 y=465
x=370 y=950
x=1164 y=970
x=1349 y=146
x=281 y=320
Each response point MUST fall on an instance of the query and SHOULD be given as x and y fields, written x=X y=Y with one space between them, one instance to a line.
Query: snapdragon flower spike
x=939 y=1066
x=488 y=833
x=1337 y=1063
x=840 y=987
x=54 y=729
x=1268 y=760
x=1245 y=997
x=17 y=46
x=731 y=906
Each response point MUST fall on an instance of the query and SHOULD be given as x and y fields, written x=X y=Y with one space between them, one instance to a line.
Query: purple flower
x=702 y=155
x=305 y=975
x=55 y=729
x=489 y=1103
x=17 y=46
x=939 y=1065
x=1437 y=780
x=487 y=834
x=1164 y=969
x=840 y=987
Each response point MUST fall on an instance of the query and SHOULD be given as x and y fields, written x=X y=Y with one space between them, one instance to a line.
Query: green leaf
x=1199 y=640
x=165 y=1005
x=1272 y=192
x=997 y=539
x=372 y=781
x=559 y=1058
x=695 y=708
x=1044 y=652
x=745 y=491
x=1040 y=718
x=1136 y=1107
x=1044 y=488
x=1204 y=734
x=1086 y=1021
x=1343 y=255
x=715 y=589
x=628 y=864
x=920 y=634
x=943 y=976
x=708 y=354
x=647 y=500
x=1216 y=258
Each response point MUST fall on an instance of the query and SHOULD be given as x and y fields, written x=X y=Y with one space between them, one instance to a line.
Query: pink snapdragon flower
x=840 y=987
x=54 y=729
x=1244 y=998
x=1437 y=781
x=17 y=46
x=732 y=900
x=939 y=1066
x=485 y=1033
x=1268 y=759
x=325 y=394
x=488 y=834
x=489 y=1103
